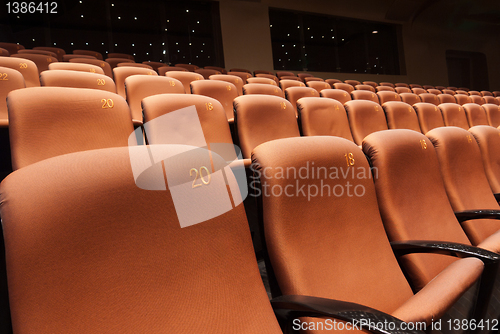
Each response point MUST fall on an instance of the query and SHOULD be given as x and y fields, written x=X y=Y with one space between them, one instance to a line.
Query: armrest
x=477 y=214
x=359 y=316
x=446 y=248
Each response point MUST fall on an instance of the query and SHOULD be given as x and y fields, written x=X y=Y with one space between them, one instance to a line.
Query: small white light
x=112 y=5
x=80 y=2
x=312 y=36
x=282 y=45
x=164 y=52
x=192 y=30
x=288 y=35
x=134 y=54
x=166 y=29
x=374 y=32
x=168 y=21
x=133 y=44
x=147 y=54
x=102 y=43
x=71 y=43
x=196 y=56
x=162 y=43
x=298 y=27
x=203 y=43
x=119 y=18
x=55 y=44
x=306 y=54
x=116 y=44
x=279 y=59
x=286 y=53
x=135 y=18
x=178 y=50
x=81 y=16
x=308 y=28
x=198 y=22
x=187 y=10
x=294 y=45
x=189 y=43
x=322 y=36
x=208 y=56
x=150 y=44
x=201 y=50
x=86 y=43
x=33 y=39
x=176 y=43
x=333 y=37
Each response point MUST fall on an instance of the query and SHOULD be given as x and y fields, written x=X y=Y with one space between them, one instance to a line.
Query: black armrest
x=445 y=248
x=477 y=214
x=359 y=316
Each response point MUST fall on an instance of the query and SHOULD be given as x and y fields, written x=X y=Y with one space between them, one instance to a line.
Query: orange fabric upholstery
x=448 y=91
x=365 y=87
x=415 y=86
x=408 y=169
x=293 y=94
x=353 y=83
x=234 y=79
x=280 y=74
x=332 y=81
x=365 y=95
x=488 y=139
x=475 y=114
x=102 y=64
x=138 y=87
x=134 y=65
x=40 y=52
x=220 y=69
x=401 y=90
x=486 y=93
x=80 y=263
x=400 y=115
x=121 y=55
x=388 y=84
x=429 y=98
x=371 y=83
x=4 y=52
x=348 y=88
x=58 y=51
x=308 y=79
x=262 y=118
x=48 y=121
x=206 y=72
x=26 y=67
x=401 y=84
x=385 y=96
x=323 y=117
x=62 y=78
x=185 y=77
x=13 y=48
x=337 y=94
x=477 y=99
x=434 y=91
x=76 y=67
x=242 y=75
x=410 y=98
x=385 y=88
x=223 y=91
x=162 y=70
x=492 y=114
x=446 y=98
x=284 y=84
x=257 y=88
x=155 y=65
x=113 y=62
x=418 y=91
x=268 y=76
x=189 y=67
x=454 y=115
x=10 y=80
x=122 y=73
x=73 y=56
x=260 y=80
x=95 y=54
x=42 y=62
x=462 y=99
x=318 y=85
x=429 y=116
x=255 y=72
x=290 y=77
x=365 y=117
x=490 y=100
x=474 y=92
x=464 y=179
x=244 y=70
x=302 y=76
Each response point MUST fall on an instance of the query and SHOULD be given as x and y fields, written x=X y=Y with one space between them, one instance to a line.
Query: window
x=312 y=42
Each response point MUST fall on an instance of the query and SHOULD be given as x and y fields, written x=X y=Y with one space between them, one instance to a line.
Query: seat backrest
x=293 y=94
x=24 y=66
x=401 y=84
x=492 y=114
x=13 y=48
x=332 y=81
x=429 y=87
x=496 y=93
x=138 y=87
x=388 y=84
x=258 y=88
x=308 y=79
x=461 y=92
x=400 y=115
x=48 y=121
x=371 y=83
x=353 y=83
x=385 y=88
x=77 y=79
x=92 y=239
x=385 y=96
x=185 y=77
x=260 y=80
x=304 y=75
x=365 y=87
x=475 y=114
x=441 y=88
x=58 y=51
x=434 y=91
x=189 y=67
x=155 y=65
x=429 y=116
x=242 y=75
x=255 y=72
x=234 y=79
x=337 y=94
x=408 y=168
x=446 y=98
x=121 y=73
x=162 y=70
x=477 y=99
x=401 y=90
x=280 y=74
x=102 y=64
x=429 y=98
x=268 y=76
x=134 y=65
x=217 y=68
x=474 y=92
x=318 y=85
x=462 y=99
x=73 y=56
x=448 y=91
x=323 y=117
x=364 y=117
x=464 y=179
x=486 y=93
x=236 y=69
x=365 y=95
x=491 y=100
x=211 y=117
x=284 y=84
x=95 y=54
x=418 y=91
x=223 y=91
x=40 y=52
x=410 y=98
x=76 y=67
x=42 y=62
x=340 y=85
x=454 y=115
x=262 y=118
x=121 y=55
x=10 y=80
x=113 y=62
x=306 y=261
x=488 y=139
x=291 y=77
x=206 y=72
x=415 y=86
x=4 y=52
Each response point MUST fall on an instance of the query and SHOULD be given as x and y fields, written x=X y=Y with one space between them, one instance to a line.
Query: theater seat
x=113 y=62
x=401 y=90
x=48 y=121
x=26 y=67
x=429 y=116
x=268 y=76
x=280 y=74
x=475 y=114
x=284 y=84
x=77 y=79
x=242 y=75
x=492 y=114
x=134 y=65
x=477 y=99
x=39 y=52
x=206 y=72
x=138 y=87
x=76 y=67
x=488 y=139
x=365 y=95
x=68 y=57
x=106 y=255
x=348 y=88
x=448 y=91
x=385 y=88
x=185 y=77
x=4 y=52
x=121 y=55
x=388 y=84
x=384 y=96
x=257 y=88
x=58 y=51
x=323 y=117
x=122 y=73
x=234 y=79
x=155 y=65
x=400 y=115
x=465 y=181
x=260 y=80
x=337 y=94
x=486 y=93
x=332 y=81
x=189 y=67
x=490 y=100
x=429 y=98
x=365 y=117
x=434 y=91
x=371 y=83
x=410 y=98
x=262 y=118
x=365 y=87
x=223 y=91
x=42 y=62
x=102 y=64
x=474 y=92
x=255 y=72
x=318 y=85
x=446 y=98
x=454 y=115
x=418 y=91
x=10 y=80
x=13 y=48
x=462 y=99
x=162 y=70
x=308 y=79
x=293 y=94
x=95 y=54
x=353 y=83
x=317 y=246
x=401 y=84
